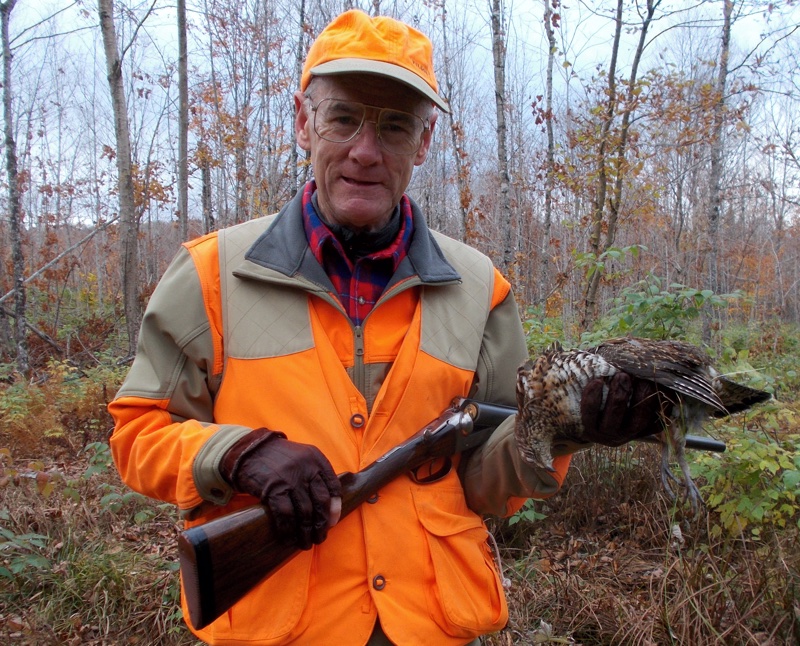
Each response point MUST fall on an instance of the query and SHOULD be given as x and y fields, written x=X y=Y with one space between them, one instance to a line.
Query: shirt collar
x=322 y=239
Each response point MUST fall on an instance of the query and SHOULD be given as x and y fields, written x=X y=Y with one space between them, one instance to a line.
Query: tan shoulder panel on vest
x=258 y=322
x=454 y=316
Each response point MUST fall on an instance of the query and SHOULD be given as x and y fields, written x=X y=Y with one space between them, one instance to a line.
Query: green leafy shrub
x=736 y=365
x=100 y=459
x=541 y=331
x=773 y=343
x=755 y=484
x=654 y=310
x=21 y=553
x=527 y=513
x=602 y=263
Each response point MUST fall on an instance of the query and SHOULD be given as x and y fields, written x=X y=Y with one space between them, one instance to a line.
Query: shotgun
x=214 y=574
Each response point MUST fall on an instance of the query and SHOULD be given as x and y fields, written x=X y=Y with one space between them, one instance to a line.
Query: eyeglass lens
x=339 y=121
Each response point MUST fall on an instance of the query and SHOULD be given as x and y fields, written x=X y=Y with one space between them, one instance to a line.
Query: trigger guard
x=419 y=477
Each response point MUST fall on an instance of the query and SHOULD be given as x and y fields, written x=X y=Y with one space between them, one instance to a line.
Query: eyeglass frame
x=426 y=123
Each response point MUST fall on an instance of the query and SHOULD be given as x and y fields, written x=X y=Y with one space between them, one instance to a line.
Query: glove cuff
x=234 y=456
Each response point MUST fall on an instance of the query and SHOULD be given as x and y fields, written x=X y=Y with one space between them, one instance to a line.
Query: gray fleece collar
x=283 y=247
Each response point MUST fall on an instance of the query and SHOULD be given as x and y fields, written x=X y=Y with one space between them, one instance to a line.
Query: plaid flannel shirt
x=358 y=283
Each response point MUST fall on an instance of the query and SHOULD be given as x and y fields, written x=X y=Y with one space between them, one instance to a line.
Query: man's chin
x=361 y=213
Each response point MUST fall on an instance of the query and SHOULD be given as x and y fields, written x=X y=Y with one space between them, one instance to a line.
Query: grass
x=609 y=560
x=103 y=571
x=632 y=568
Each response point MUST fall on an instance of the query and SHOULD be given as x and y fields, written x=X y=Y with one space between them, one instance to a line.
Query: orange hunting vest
x=290 y=359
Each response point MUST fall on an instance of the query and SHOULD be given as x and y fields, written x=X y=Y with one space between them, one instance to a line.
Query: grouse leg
x=666 y=472
x=679 y=449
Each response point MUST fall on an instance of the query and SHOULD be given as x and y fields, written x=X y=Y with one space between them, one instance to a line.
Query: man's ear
x=302 y=124
x=427 y=138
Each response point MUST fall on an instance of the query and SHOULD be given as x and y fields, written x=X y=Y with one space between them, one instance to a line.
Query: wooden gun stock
x=213 y=568
x=215 y=574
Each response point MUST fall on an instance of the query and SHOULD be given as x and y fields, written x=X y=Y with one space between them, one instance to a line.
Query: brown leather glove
x=294 y=481
x=632 y=410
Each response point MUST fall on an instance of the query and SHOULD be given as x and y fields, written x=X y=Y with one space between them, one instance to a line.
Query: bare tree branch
x=58 y=258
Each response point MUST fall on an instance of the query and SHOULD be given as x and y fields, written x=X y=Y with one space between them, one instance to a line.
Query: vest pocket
x=273 y=612
x=467 y=597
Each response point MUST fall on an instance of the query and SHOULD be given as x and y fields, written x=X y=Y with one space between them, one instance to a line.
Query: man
x=280 y=352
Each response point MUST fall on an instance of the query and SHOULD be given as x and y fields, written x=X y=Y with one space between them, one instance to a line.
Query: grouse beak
x=538 y=461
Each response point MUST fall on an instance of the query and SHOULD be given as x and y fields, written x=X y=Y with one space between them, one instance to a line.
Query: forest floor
x=616 y=562
x=608 y=560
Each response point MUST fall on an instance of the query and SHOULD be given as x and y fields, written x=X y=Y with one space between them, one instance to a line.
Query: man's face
x=359 y=182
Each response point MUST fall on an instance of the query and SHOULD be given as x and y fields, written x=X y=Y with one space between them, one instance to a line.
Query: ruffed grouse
x=549 y=391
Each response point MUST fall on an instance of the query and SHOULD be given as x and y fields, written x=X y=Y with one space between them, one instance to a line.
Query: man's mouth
x=359 y=182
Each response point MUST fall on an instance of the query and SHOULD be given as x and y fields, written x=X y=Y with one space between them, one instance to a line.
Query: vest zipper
x=359 y=369
x=359 y=372
x=406 y=283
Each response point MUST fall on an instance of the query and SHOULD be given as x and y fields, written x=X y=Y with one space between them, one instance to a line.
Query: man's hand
x=632 y=410
x=294 y=481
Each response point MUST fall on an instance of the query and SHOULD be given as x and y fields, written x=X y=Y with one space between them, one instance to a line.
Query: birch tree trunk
x=457 y=139
x=713 y=281
x=300 y=52
x=129 y=224
x=620 y=161
x=598 y=206
x=209 y=223
x=499 y=58
x=544 y=274
x=183 y=124
x=621 y=166
x=14 y=206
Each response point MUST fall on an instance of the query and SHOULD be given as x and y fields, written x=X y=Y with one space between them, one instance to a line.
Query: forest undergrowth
x=609 y=560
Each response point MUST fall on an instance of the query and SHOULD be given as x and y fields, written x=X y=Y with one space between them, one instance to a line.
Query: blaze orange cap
x=355 y=42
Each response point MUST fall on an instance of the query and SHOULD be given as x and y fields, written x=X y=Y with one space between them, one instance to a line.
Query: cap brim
x=389 y=70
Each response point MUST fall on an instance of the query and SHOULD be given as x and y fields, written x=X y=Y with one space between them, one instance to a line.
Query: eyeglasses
x=340 y=121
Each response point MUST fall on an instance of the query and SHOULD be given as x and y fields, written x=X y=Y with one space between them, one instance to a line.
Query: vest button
x=379 y=582
x=357 y=420
x=373 y=499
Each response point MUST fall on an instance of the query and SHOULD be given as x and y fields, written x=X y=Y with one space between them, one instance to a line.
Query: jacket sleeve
x=165 y=444
x=496 y=479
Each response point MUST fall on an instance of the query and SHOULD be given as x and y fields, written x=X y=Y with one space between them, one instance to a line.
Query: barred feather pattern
x=549 y=400
x=677 y=365
x=549 y=390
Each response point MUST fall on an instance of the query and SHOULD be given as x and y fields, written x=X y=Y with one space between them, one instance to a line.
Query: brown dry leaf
x=44 y=483
x=15 y=623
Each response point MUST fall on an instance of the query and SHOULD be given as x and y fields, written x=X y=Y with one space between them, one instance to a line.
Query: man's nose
x=366 y=142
